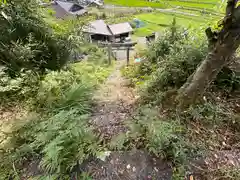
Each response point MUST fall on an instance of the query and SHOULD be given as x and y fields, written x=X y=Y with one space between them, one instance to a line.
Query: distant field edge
x=136 y=3
x=162 y=5
x=198 y=2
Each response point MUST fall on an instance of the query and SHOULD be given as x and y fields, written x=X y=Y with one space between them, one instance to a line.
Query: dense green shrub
x=228 y=80
x=154 y=56
x=53 y=87
x=157 y=51
x=167 y=67
x=57 y=94
x=97 y=55
x=60 y=135
x=13 y=90
x=27 y=40
x=175 y=68
x=161 y=137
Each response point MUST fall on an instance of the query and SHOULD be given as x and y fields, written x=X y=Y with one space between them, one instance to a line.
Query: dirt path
x=113 y=101
x=114 y=104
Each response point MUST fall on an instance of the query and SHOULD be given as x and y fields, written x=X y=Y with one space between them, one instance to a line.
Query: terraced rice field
x=202 y=4
x=159 y=21
x=189 y=13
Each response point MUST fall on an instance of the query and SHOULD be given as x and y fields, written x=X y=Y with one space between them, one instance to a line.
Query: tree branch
x=212 y=37
x=220 y=54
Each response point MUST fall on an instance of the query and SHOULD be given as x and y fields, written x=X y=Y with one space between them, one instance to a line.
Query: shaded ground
x=132 y=165
x=216 y=162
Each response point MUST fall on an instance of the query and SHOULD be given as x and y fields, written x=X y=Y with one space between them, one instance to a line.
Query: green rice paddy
x=156 y=22
x=188 y=13
x=203 y=4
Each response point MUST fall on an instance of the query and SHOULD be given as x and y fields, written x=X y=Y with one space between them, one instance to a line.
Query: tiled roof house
x=63 y=9
x=100 y=30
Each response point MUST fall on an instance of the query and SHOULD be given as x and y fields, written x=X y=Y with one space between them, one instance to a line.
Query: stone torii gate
x=119 y=46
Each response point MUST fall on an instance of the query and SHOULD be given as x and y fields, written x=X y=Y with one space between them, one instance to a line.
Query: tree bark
x=221 y=50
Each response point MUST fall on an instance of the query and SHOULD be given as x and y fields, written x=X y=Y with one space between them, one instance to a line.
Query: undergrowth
x=37 y=74
x=168 y=63
x=226 y=174
x=59 y=135
x=181 y=136
x=161 y=135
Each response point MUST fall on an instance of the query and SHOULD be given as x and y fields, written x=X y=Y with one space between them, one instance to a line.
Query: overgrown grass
x=59 y=135
x=159 y=135
x=181 y=137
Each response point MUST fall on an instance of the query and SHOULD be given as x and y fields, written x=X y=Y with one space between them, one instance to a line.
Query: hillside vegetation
x=66 y=113
x=202 y=128
x=45 y=99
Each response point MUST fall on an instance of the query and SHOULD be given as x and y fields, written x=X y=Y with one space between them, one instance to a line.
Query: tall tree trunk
x=222 y=46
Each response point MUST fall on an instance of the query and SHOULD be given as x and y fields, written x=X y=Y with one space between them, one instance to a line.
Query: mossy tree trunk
x=222 y=47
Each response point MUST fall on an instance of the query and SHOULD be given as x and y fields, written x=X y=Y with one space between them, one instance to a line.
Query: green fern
x=65 y=139
x=76 y=96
